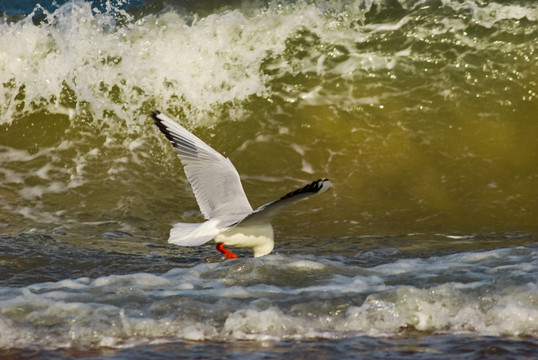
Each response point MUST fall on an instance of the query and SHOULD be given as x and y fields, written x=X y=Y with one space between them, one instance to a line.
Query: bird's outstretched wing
x=214 y=180
x=267 y=212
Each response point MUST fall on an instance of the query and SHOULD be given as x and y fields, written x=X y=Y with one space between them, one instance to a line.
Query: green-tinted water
x=423 y=118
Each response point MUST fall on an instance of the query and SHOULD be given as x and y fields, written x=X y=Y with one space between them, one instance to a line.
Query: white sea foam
x=213 y=60
x=81 y=61
x=230 y=301
x=490 y=13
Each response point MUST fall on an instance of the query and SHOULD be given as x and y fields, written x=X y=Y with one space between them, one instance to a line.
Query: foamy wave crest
x=99 y=64
x=278 y=298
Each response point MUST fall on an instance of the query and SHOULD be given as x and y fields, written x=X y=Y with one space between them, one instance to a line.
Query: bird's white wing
x=267 y=212
x=214 y=180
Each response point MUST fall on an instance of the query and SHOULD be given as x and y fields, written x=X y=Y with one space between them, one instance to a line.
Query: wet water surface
x=422 y=114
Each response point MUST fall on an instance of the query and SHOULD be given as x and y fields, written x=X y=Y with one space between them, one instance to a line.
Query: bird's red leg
x=226 y=252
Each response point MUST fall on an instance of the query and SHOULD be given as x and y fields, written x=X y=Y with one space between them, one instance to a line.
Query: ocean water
x=423 y=114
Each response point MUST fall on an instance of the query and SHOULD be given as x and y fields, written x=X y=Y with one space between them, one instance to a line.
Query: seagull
x=230 y=220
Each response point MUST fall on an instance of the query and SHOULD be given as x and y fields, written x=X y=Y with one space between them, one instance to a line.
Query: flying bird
x=231 y=221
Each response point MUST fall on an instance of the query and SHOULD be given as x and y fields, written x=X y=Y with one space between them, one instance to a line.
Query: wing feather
x=213 y=178
x=267 y=212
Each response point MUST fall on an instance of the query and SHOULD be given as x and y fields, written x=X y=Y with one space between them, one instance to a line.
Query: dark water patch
x=372 y=250
x=31 y=258
x=28 y=259
x=27 y=7
x=439 y=347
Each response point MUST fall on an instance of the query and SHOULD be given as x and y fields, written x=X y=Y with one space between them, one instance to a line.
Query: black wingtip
x=161 y=126
x=313 y=188
x=154 y=115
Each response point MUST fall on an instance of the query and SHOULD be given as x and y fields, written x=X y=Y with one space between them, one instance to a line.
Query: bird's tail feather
x=189 y=234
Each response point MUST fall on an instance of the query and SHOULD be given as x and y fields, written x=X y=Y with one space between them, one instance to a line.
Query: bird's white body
x=217 y=187
x=259 y=237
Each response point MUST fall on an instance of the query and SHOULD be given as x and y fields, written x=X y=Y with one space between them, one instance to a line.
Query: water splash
x=104 y=63
x=277 y=298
